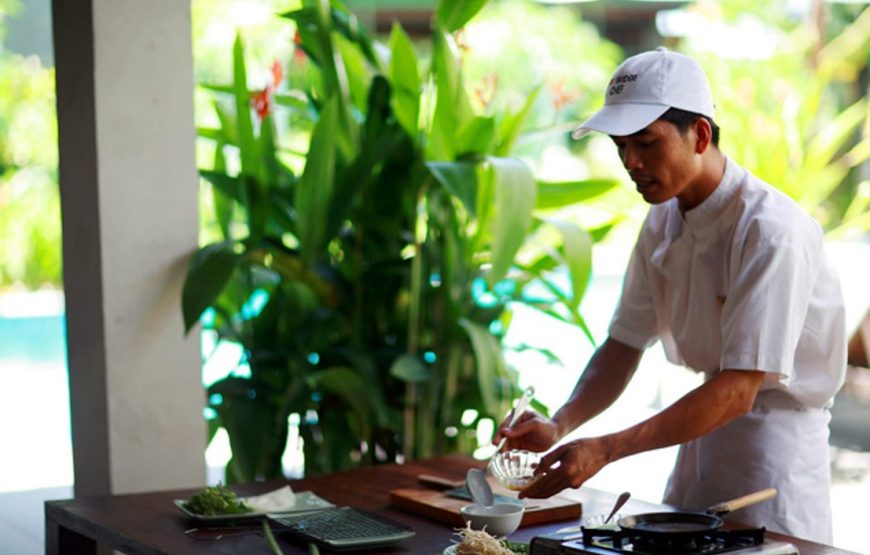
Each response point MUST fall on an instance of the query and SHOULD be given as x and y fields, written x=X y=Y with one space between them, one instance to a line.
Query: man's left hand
x=568 y=466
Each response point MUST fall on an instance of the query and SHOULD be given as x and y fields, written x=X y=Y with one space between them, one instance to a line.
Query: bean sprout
x=478 y=542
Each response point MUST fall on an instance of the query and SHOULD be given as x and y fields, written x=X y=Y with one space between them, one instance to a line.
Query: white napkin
x=280 y=499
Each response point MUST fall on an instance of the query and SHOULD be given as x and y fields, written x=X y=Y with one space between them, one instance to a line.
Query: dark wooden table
x=149 y=523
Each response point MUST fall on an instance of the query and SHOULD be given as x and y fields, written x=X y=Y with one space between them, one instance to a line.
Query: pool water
x=34 y=404
x=37 y=339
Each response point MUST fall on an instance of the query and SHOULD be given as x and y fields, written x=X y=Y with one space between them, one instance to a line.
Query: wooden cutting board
x=438 y=506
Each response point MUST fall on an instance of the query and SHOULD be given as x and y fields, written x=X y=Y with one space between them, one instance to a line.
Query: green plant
x=799 y=120
x=30 y=253
x=369 y=289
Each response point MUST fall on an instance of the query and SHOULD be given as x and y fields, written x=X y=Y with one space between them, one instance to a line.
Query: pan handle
x=740 y=502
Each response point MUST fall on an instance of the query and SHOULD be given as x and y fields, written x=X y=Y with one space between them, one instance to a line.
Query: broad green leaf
x=223 y=204
x=565 y=193
x=819 y=183
x=223 y=89
x=208 y=272
x=409 y=369
x=476 y=136
x=573 y=316
x=227 y=191
x=315 y=186
x=229 y=129
x=454 y=14
x=385 y=145
x=439 y=144
x=269 y=165
x=316 y=24
x=282 y=214
x=356 y=73
x=347 y=23
x=215 y=134
x=485 y=207
x=257 y=434
x=460 y=180
x=858 y=154
x=349 y=386
x=364 y=362
x=581 y=321
x=297 y=101
x=307 y=21
x=845 y=56
x=341 y=20
x=257 y=208
x=514 y=190
x=490 y=364
x=452 y=107
x=544 y=261
x=247 y=144
x=835 y=134
x=405 y=79
x=512 y=124
x=577 y=249
x=856 y=216
x=598 y=233
x=448 y=77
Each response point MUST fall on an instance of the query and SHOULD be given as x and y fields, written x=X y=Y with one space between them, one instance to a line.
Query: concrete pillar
x=129 y=208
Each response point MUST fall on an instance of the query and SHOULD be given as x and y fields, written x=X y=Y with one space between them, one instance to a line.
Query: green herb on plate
x=216 y=500
x=516 y=547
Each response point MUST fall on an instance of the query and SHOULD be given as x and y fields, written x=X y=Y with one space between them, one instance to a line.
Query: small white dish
x=500 y=520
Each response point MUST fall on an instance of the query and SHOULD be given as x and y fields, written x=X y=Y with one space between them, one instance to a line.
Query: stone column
x=129 y=208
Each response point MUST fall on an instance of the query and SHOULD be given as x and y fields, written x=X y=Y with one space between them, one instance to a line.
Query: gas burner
x=612 y=540
x=716 y=541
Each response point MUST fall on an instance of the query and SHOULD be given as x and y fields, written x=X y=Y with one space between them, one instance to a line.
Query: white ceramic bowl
x=499 y=520
x=515 y=469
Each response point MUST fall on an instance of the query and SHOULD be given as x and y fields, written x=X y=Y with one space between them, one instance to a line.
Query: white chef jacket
x=741 y=282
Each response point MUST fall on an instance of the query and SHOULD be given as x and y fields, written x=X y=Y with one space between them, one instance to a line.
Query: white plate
x=304 y=501
x=451 y=550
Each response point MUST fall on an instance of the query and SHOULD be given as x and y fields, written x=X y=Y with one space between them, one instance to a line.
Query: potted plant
x=370 y=278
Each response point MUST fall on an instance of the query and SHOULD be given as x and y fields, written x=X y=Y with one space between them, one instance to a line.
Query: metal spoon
x=475 y=478
x=620 y=501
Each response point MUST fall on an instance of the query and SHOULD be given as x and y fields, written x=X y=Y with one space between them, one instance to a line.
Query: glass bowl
x=515 y=469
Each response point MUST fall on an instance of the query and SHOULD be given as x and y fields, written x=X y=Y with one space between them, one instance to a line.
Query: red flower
x=277 y=74
x=298 y=52
x=462 y=42
x=486 y=90
x=262 y=100
x=559 y=96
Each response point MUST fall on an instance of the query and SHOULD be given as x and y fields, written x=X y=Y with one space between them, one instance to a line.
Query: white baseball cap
x=644 y=87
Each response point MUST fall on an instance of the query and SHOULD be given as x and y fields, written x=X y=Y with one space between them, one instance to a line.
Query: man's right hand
x=532 y=432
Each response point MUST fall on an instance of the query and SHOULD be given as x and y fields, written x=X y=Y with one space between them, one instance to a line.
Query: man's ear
x=703 y=135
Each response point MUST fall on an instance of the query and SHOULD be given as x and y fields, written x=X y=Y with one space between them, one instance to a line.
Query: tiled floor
x=21 y=519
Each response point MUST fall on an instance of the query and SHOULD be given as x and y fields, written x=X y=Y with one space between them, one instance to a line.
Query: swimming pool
x=34 y=403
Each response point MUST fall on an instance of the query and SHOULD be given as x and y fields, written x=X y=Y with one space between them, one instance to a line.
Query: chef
x=731 y=276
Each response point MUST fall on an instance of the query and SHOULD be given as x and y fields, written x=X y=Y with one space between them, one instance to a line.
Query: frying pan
x=685 y=525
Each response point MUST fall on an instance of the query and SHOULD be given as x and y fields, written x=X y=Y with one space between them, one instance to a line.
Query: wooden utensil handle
x=439 y=482
x=745 y=501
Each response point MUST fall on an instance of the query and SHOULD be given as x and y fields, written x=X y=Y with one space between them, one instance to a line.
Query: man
x=731 y=276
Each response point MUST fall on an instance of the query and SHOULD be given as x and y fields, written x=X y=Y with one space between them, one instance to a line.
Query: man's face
x=662 y=162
